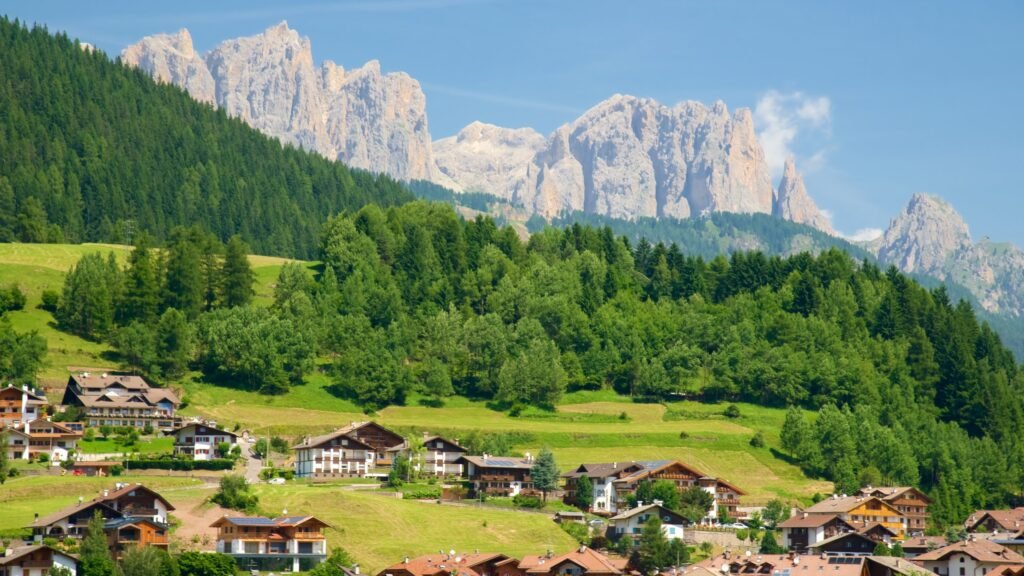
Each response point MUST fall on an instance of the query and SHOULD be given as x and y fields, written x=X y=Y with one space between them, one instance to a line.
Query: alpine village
x=254 y=320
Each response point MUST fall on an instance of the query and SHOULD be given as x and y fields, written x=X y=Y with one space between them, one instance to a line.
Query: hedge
x=216 y=464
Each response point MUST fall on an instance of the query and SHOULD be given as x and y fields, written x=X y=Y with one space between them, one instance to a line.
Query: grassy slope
x=358 y=519
x=38 y=267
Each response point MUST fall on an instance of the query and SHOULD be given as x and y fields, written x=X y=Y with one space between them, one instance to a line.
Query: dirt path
x=196 y=515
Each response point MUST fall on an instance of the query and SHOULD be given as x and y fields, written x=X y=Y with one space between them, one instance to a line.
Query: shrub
x=44 y=458
x=279 y=445
x=147 y=429
x=524 y=501
x=732 y=411
x=89 y=435
x=180 y=464
x=577 y=531
x=50 y=301
x=758 y=440
x=116 y=470
x=422 y=494
x=234 y=493
x=684 y=435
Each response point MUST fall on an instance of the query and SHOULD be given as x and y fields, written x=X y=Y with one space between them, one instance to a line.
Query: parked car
x=277 y=480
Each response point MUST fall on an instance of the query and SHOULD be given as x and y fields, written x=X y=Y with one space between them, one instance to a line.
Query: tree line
x=93 y=151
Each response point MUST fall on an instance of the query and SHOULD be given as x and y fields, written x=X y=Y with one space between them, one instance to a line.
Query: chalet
x=359 y=449
x=804 y=530
x=442 y=456
x=910 y=501
x=498 y=475
x=29 y=440
x=200 y=442
x=285 y=544
x=996 y=521
x=630 y=524
x=36 y=560
x=569 y=517
x=602 y=481
x=122 y=400
x=582 y=561
x=970 y=557
x=126 y=501
x=97 y=468
x=130 y=531
x=451 y=564
x=20 y=405
x=862 y=511
x=878 y=533
x=726 y=495
x=1012 y=540
x=845 y=544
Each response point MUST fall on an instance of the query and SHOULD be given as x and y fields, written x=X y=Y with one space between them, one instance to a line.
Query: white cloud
x=780 y=118
x=863 y=235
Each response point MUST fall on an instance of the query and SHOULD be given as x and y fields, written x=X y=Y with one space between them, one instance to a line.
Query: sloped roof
x=510 y=462
x=811 y=564
x=653 y=467
x=16 y=553
x=592 y=562
x=1010 y=520
x=809 y=521
x=100 y=500
x=603 y=469
x=841 y=536
x=843 y=504
x=264 y=522
x=210 y=430
x=443 y=439
x=459 y=564
x=662 y=512
x=980 y=550
x=93 y=380
x=891 y=492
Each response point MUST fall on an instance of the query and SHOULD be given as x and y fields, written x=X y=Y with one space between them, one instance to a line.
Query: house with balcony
x=285 y=544
x=1011 y=520
x=910 y=501
x=602 y=478
x=199 y=441
x=20 y=405
x=29 y=440
x=498 y=475
x=441 y=456
x=359 y=449
x=630 y=524
x=613 y=483
x=132 y=531
x=125 y=501
x=36 y=560
x=582 y=561
x=861 y=512
x=122 y=400
x=804 y=530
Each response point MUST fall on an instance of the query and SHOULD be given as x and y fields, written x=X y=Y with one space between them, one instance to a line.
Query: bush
x=147 y=430
x=206 y=564
x=89 y=435
x=732 y=411
x=758 y=440
x=524 y=501
x=178 y=464
x=684 y=435
x=50 y=301
x=44 y=458
x=11 y=298
x=116 y=470
x=577 y=531
x=422 y=494
x=234 y=493
x=279 y=445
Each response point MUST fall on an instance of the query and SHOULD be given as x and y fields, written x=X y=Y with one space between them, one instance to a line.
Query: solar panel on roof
x=500 y=462
x=251 y=521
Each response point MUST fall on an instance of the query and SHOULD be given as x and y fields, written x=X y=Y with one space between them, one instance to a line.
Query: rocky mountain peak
x=172 y=58
x=794 y=204
x=924 y=236
x=487 y=158
x=366 y=119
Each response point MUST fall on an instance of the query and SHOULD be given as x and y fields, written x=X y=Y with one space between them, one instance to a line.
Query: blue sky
x=877 y=100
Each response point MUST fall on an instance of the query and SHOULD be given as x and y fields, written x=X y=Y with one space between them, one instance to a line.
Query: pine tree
x=174 y=343
x=584 y=493
x=236 y=274
x=8 y=208
x=652 y=549
x=769 y=545
x=795 y=432
x=94 y=553
x=184 y=287
x=545 y=472
x=143 y=283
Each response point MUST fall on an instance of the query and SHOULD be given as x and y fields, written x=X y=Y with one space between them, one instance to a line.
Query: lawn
x=163 y=445
x=376 y=528
x=23 y=497
x=379 y=529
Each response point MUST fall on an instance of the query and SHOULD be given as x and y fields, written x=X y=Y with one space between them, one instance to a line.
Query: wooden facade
x=20 y=405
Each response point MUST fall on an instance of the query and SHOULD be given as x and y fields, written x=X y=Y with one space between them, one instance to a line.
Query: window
x=963 y=571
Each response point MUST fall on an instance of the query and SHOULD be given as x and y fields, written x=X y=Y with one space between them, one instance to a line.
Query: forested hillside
x=911 y=388
x=94 y=151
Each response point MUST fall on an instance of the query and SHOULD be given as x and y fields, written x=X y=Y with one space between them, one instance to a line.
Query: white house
x=287 y=544
x=18 y=405
x=602 y=477
x=35 y=560
x=970 y=557
x=29 y=440
x=359 y=449
x=199 y=441
x=442 y=456
x=804 y=530
x=630 y=524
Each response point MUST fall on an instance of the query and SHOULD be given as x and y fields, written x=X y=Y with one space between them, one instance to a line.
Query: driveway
x=253 y=465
